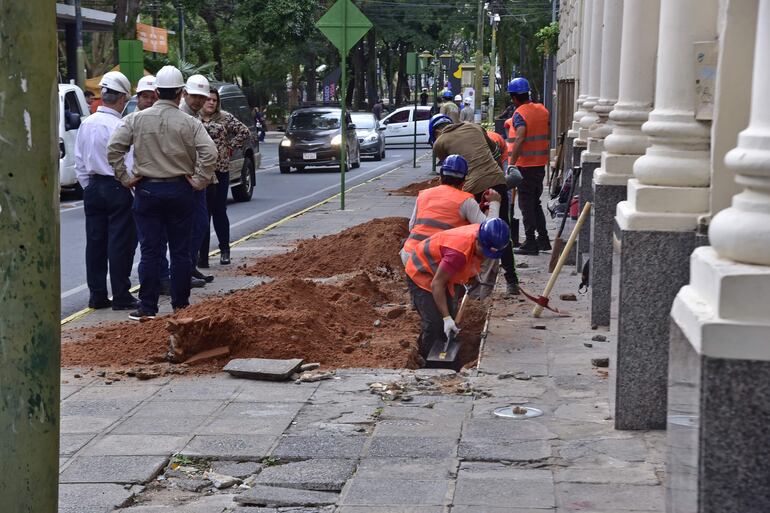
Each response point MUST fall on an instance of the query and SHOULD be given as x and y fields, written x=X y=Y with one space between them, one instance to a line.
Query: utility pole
x=478 y=83
x=29 y=267
x=180 y=16
x=494 y=20
x=80 y=54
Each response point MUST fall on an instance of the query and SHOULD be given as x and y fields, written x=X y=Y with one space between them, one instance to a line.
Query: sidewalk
x=334 y=446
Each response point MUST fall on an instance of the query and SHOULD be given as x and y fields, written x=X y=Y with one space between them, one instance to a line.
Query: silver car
x=369 y=132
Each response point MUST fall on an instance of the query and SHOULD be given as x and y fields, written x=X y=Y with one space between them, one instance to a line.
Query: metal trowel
x=443 y=354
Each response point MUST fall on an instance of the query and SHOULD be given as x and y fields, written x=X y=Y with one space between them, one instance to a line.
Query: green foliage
x=548 y=38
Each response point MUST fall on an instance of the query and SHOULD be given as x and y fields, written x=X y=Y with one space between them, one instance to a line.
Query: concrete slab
x=608 y=497
x=392 y=509
x=396 y=492
x=113 y=469
x=407 y=468
x=274 y=496
x=97 y=407
x=86 y=424
x=92 y=498
x=138 y=445
x=229 y=447
x=486 y=449
x=72 y=443
x=168 y=424
x=493 y=485
x=623 y=448
x=262 y=368
x=239 y=469
x=184 y=408
x=635 y=474
x=327 y=445
x=411 y=446
x=273 y=392
x=323 y=475
x=506 y=429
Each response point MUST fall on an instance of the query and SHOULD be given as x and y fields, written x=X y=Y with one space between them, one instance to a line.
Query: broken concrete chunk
x=310 y=377
x=600 y=362
x=193 y=485
x=274 y=496
x=236 y=469
x=320 y=475
x=599 y=338
x=309 y=367
x=221 y=481
x=262 y=368
x=208 y=354
x=568 y=297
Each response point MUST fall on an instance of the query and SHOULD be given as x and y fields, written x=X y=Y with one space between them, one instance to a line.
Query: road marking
x=260 y=232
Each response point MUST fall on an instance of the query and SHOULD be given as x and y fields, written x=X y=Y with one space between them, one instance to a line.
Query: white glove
x=450 y=326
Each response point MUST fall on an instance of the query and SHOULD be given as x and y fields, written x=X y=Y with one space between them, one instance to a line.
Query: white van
x=73 y=108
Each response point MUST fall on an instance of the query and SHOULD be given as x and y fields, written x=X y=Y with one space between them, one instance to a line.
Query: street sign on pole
x=413 y=68
x=344 y=25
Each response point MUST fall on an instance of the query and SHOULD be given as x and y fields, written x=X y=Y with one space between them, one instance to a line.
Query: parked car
x=73 y=108
x=313 y=138
x=399 y=126
x=369 y=132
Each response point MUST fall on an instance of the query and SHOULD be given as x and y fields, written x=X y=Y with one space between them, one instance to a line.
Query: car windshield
x=315 y=121
x=363 y=121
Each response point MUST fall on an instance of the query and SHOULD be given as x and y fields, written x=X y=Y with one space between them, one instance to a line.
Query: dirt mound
x=371 y=246
x=414 y=188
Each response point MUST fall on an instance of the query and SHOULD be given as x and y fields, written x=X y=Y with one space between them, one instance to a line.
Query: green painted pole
x=343 y=97
x=414 y=115
x=29 y=259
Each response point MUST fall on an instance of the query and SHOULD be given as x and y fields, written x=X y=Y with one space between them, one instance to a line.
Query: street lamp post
x=494 y=19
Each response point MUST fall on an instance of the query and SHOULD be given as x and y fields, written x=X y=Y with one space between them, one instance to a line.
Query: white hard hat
x=458 y=98
x=169 y=78
x=146 y=83
x=197 y=84
x=116 y=81
x=468 y=100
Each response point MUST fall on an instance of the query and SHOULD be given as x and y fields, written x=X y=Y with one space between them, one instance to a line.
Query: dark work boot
x=224 y=257
x=529 y=247
x=203 y=260
x=543 y=243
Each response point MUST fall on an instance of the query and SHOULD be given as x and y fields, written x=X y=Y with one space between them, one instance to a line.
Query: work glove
x=450 y=326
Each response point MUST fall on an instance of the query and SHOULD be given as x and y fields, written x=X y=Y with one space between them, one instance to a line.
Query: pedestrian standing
x=467 y=113
x=110 y=230
x=448 y=107
x=228 y=134
x=260 y=121
x=424 y=97
x=195 y=95
x=377 y=109
x=174 y=156
x=529 y=140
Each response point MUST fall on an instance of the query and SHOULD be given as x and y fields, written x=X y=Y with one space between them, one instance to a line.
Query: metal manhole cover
x=508 y=412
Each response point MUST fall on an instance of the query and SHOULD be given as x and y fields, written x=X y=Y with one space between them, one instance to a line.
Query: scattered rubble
x=600 y=362
x=414 y=188
x=599 y=338
x=568 y=297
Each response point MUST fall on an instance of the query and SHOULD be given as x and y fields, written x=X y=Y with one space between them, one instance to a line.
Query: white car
x=399 y=126
x=73 y=109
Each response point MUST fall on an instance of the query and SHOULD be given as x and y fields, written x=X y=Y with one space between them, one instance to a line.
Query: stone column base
x=569 y=150
x=606 y=199
x=718 y=412
x=654 y=265
x=586 y=191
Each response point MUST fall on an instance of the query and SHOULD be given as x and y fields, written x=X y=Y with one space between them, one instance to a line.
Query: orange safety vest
x=438 y=208
x=536 y=148
x=501 y=144
x=422 y=264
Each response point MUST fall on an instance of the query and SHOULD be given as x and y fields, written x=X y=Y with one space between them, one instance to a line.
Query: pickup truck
x=73 y=108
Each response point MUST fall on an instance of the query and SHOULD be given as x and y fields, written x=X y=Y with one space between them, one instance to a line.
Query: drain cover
x=521 y=412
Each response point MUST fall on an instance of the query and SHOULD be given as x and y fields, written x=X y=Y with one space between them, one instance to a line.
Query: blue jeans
x=200 y=225
x=216 y=200
x=110 y=238
x=164 y=209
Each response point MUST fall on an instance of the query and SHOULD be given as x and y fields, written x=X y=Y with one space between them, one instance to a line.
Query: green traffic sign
x=344 y=24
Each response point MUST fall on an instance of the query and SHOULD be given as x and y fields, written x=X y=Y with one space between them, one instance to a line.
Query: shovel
x=558 y=243
x=443 y=354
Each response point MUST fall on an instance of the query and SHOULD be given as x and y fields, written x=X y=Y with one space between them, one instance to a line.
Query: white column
x=585 y=54
x=636 y=92
x=608 y=86
x=594 y=70
x=670 y=190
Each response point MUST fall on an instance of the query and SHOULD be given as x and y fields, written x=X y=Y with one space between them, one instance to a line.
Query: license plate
x=309 y=156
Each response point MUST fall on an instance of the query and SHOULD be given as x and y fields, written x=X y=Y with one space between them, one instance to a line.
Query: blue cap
x=518 y=85
x=494 y=236
x=454 y=165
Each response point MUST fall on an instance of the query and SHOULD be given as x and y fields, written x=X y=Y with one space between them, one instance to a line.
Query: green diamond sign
x=344 y=24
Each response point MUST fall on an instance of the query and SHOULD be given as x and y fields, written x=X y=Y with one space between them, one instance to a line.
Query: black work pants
x=110 y=239
x=529 y=191
x=216 y=201
x=509 y=266
x=431 y=321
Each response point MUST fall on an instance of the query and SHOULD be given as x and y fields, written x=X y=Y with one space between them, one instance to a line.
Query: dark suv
x=313 y=138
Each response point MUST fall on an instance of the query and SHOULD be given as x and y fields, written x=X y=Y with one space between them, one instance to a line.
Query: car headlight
x=371 y=138
x=286 y=142
x=337 y=140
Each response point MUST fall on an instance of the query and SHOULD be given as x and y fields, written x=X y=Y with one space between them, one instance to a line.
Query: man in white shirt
x=110 y=228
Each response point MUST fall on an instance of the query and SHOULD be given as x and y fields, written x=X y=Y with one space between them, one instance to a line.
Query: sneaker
x=140 y=315
x=528 y=248
x=100 y=304
x=207 y=278
x=512 y=289
x=197 y=283
x=543 y=244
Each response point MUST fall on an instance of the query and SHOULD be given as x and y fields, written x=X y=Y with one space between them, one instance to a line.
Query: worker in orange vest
x=447 y=206
x=439 y=266
x=528 y=146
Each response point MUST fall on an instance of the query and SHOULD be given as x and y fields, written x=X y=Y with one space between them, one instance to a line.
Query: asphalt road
x=275 y=197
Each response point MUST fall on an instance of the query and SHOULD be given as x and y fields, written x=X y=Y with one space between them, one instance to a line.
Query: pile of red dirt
x=372 y=246
x=414 y=188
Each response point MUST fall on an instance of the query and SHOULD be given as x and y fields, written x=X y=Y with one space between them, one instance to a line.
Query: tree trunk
x=311 y=77
x=401 y=84
x=371 y=70
x=294 y=97
x=358 y=72
x=126 y=12
x=209 y=16
x=388 y=72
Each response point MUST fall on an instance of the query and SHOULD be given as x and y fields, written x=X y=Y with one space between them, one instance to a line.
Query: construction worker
x=467 y=112
x=500 y=152
x=447 y=206
x=528 y=138
x=145 y=92
x=470 y=141
x=196 y=92
x=440 y=265
x=173 y=156
x=110 y=230
x=448 y=107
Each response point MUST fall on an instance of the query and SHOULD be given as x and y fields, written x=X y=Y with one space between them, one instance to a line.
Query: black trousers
x=529 y=191
x=431 y=321
x=507 y=262
x=110 y=239
x=216 y=201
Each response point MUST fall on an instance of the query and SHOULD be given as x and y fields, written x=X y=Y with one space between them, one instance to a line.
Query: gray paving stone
x=502 y=509
x=168 y=424
x=506 y=429
x=609 y=497
x=197 y=389
x=204 y=504
x=96 y=407
x=113 y=469
x=493 y=485
x=262 y=368
x=587 y=412
x=239 y=469
x=392 y=509
x=485 y=449
x=136 y=445
x=395 y=492
x=229 y=447
x=635 y=474
x=67 y=390
x=81 y=424
x=411 y=446
x=256 y=509
x=265 y=391
x=404 y=427
x=407 y=468
x=260 y=495
x=92 y=498
x=71 y=443
x=183 y=408
x=596 y=449
x=324 y=475
x=127 y=392
x=302 y=447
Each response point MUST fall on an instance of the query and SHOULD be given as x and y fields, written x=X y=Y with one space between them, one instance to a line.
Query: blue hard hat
x=518 y=85
x=447 y=94
x=494 y=236
x=437 y=120
x=454 y=165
